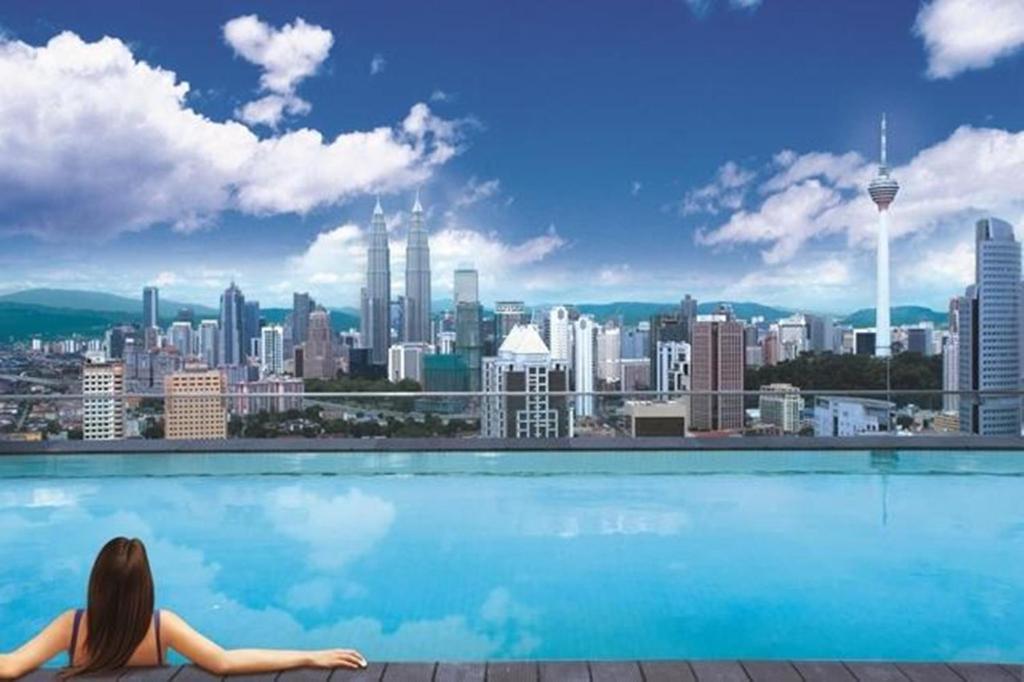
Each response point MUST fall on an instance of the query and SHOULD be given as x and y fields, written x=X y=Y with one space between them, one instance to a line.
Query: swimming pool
x=459 y=556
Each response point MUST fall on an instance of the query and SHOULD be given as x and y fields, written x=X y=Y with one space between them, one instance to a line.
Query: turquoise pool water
x=855 y=555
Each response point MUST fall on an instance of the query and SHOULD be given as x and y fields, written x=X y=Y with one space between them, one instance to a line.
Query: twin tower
x=376 y=295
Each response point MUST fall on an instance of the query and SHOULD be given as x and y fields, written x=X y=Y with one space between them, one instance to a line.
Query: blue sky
x=572 y=151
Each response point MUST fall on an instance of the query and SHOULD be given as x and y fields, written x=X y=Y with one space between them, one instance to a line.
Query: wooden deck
x=596 y=671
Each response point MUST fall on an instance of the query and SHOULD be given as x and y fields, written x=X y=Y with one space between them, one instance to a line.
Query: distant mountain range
x=52 y=313
x=74 y=299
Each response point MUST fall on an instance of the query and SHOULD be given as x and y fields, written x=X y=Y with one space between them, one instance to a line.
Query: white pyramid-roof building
x=524 y=340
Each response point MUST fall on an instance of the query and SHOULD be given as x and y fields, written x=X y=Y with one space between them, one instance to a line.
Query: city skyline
x=753 y=190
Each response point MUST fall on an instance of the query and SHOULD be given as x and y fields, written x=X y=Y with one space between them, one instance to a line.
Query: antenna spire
x=883 y=141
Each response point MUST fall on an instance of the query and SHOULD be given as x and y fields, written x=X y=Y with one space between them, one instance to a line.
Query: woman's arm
x=180 y=636
x=54 y=638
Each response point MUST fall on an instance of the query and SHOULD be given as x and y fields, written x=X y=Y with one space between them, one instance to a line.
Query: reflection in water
x=464 y=567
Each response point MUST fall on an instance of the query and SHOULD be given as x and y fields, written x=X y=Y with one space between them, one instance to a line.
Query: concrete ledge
x=754 y=443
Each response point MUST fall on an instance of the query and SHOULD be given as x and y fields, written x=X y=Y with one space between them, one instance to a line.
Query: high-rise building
x=194 y=408
x=376 y=295
x=883 y=190
x=232 y=327
x=524 y=365
x=717 y=366
x=271 y=350
x=609 y=354
x=688 y=317
x=508 y=314
x=989 y=327
x=209 y=342
x=416 y=314
x=181 y=337
x=635 y=374
x=103 y=417
x=446 y=343
x=251 y=328
x=405 y=361
x=584 y=365
x=559 y=333
x=150 y=307
x=673 y=370
x=636 y=341
x=467 y=286
x=318 y=359
x=780 y=405
x=468 y=318
x=664 y=327
x=951 y=359
x=186 y=314
x=302 y=306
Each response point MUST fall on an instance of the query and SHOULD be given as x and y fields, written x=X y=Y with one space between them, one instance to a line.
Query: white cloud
x=635 y=187
x=287 y=56
x=702 y=7
x=377 y=64
x=475 y=191
x=334 y=264
x=972 y=172
x=441 y=96
x=826 y=279
x=164 y=279
x=94 y=142
x=960 y=35
x=726 y=192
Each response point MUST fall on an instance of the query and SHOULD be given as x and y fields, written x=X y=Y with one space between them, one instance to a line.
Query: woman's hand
x=338 y=658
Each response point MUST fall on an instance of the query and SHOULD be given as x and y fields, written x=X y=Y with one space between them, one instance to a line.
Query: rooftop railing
x=762 y=412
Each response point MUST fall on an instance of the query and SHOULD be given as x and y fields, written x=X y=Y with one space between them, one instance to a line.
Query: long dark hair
x=120 y=607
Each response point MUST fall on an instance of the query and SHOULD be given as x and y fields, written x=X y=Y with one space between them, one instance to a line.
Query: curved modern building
x=883 y=190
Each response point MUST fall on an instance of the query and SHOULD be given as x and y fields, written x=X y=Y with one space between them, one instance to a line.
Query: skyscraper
x=271 y=350
x=688 y=316
x=302 y=306
x=883 y=191
x=180 y=334
x=664 y=327
x=468 y=314
x=376 y=303
x=673 y=369
x=416 y=317
x=951 y=359
x=559 y=334
x=250 y=328
x=989 y=329
x=609 y=353
x=583 y=365
x=103 y=417
x=193 y=407
x=232 y=327
x=209 y=342
x=318 y=358
x=717 y=365
x=524 y=364
x=467 y=286
x=150 y=307
x=508 y=314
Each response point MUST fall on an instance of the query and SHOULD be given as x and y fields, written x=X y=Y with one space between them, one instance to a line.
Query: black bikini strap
x=156 y=627
x=74 y=638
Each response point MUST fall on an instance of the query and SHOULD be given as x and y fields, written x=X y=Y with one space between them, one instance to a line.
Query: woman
x=120 y=628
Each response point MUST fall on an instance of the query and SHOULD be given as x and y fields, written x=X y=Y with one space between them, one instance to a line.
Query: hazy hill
x=341 y=319
x=22 y=321
x=75 y=299
x=901 y=314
